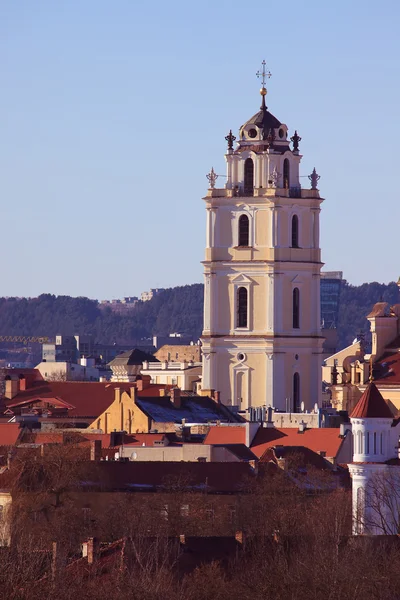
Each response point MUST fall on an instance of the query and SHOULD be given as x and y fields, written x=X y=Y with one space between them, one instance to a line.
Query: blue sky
x=112 y=112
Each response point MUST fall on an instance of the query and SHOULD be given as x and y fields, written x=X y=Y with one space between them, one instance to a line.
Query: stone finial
x=274 y=176
x=212 y=178
x=295 y=139
x=314 y=178
x=230 y=138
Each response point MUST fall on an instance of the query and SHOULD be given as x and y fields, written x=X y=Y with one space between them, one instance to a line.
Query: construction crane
x=24 y=339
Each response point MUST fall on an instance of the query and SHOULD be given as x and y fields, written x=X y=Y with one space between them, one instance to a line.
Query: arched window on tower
x=242 y=307
x=243 y=230
x=248 y=177
x=296 y=393
x=295 y=231
x=296 y=308
x=286 y=173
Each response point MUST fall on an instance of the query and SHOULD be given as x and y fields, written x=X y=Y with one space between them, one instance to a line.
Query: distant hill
x=175 y=309
x=356 y=302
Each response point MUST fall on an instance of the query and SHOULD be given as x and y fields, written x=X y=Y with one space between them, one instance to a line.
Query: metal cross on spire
x=263 y=74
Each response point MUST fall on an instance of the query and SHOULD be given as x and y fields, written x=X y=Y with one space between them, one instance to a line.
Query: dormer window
x=252 y=133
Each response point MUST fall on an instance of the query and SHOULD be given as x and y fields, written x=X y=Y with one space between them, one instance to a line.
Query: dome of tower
x=263 y=119
x=371 y=405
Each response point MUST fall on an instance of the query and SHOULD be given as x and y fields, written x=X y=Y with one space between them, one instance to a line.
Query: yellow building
x=262 y=340
x=348 y=371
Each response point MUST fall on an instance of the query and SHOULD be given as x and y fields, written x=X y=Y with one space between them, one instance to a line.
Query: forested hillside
x=356 y=302
x=176 y=309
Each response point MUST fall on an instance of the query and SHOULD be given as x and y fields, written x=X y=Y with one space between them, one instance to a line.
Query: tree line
x=175 y=309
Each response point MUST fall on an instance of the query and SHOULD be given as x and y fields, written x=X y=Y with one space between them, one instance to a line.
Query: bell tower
x=262 y=342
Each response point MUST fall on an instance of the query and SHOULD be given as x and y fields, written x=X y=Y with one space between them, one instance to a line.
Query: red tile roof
x=84 y=439
x=387 y=369
x=371 y=405
x=87 y=399
x=226 y=435
x=318 y=439
x=9 y=433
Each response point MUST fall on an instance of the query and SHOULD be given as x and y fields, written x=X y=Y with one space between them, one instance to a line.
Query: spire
x=263 y=75
x=371 y=405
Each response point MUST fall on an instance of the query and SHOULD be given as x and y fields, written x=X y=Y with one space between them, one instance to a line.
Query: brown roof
x=324 y=439
x=387 y=369
x=150 y=476
x=371 y=405
x=9 y=433
x=226 y=435
x=87 y=398
x=380 y=309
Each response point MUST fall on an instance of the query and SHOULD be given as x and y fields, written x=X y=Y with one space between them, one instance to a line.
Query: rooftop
x=371 y=405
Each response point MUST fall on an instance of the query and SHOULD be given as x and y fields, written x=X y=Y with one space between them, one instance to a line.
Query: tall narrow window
x=296 y=308
x=243 y=230
x=295 y=231
x=286 y=173
x=242 y=307
x=248 y=177
x=296 y=392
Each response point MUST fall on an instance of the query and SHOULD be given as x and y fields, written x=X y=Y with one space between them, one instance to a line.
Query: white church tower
x=375 y=470
x=262 y=340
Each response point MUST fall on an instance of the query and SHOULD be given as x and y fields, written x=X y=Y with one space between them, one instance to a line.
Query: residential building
x=179 y=353
x=84 y=370
x=349 y=370
x=334 y=445
x=144 y=411
x=185 y=375
x=173 y=339
x=126 y=366
x=262 y=342
x=146 y=296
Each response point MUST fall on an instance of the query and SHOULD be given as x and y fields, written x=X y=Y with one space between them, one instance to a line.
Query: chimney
x=134 y=390
x=239 y=537
x=95 y=450
x=23 y=384
x=58 y=560
x=92 y=550
x=12 y=388
x=270 y=413
x=176 y=397
x=116 y=438
x=302 y=427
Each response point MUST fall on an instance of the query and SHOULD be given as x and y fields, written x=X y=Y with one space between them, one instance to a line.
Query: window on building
x=248 y=177
x=242 y=307
x=375 y=447
x=243 y=230
x=296 y=393
x=296 y=308
x=210 y=513
x=86 y=515
x=295 y=231
x=184 y=510
x=286 y=173
x=367 y=443
x=164 y=512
